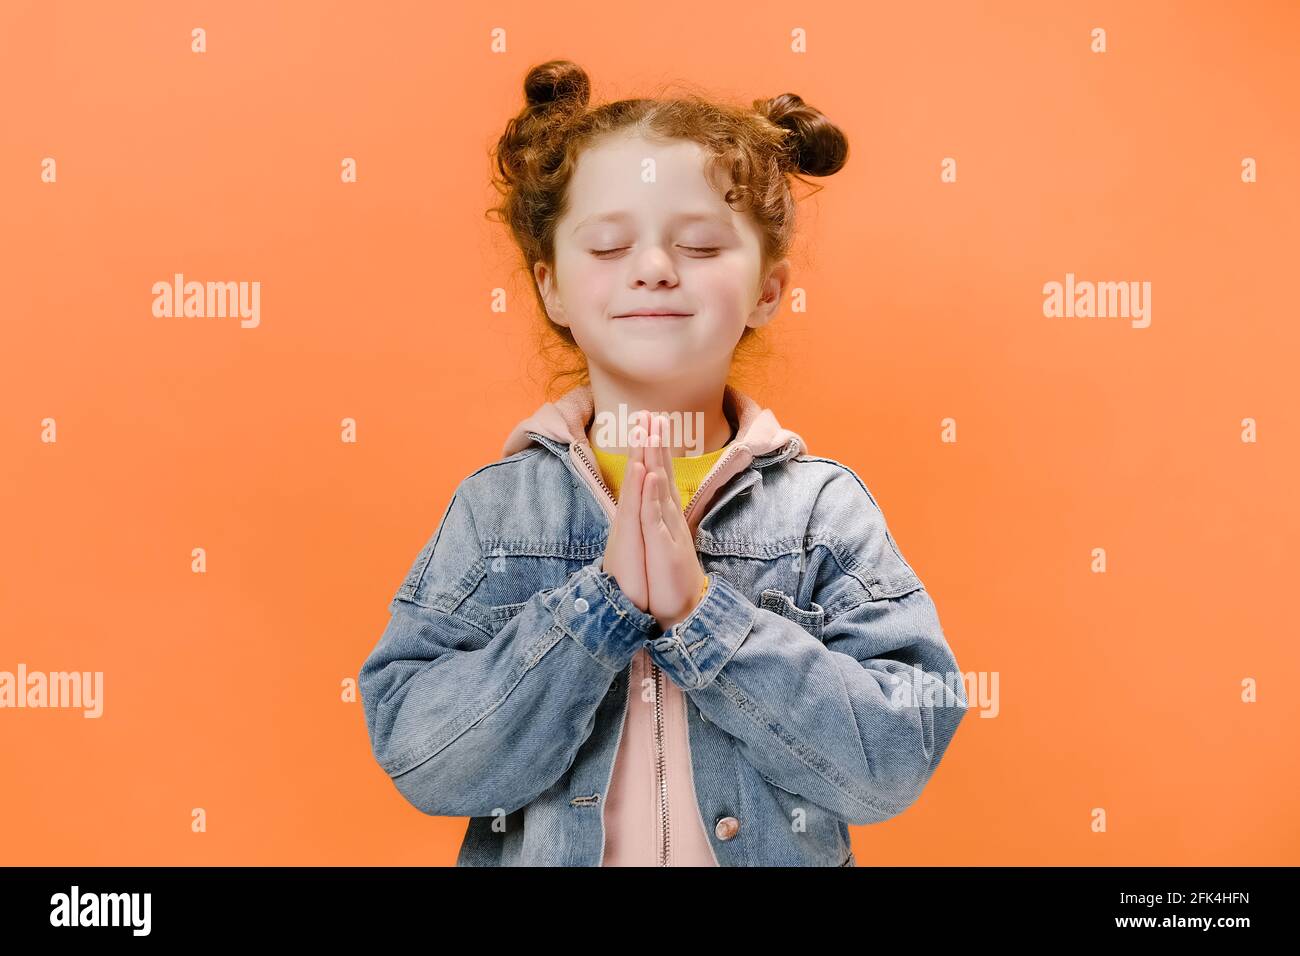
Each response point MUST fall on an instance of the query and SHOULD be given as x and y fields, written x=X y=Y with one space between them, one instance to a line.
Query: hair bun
x=557 y=82
x=816 y=146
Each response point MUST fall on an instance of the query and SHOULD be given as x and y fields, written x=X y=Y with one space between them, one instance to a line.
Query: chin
x=644 y=369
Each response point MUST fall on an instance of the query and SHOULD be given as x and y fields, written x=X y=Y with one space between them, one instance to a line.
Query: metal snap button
x=726 y=827
x=581 y=605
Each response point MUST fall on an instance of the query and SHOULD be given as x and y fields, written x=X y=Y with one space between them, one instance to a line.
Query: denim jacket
x=816 y=687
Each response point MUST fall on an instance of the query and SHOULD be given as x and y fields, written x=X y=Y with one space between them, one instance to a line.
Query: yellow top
x=688 y=472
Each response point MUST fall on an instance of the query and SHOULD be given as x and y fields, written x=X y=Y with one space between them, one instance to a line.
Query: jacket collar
x=561 y=426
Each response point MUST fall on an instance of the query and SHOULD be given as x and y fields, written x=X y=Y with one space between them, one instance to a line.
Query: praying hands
x=650 y=551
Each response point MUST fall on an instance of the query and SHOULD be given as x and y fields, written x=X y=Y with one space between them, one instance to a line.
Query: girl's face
x=646 y=230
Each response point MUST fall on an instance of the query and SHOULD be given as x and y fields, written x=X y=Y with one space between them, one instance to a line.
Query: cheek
x=587 y=286
x=726 y=288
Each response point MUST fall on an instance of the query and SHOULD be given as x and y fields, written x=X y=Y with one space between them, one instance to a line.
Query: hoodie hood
x=566 y=420
x=758 y=435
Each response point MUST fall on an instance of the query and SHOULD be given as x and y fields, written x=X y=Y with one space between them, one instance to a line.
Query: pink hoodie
x=651 y=816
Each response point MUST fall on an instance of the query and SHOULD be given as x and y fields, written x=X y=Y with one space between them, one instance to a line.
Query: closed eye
x=706 y=250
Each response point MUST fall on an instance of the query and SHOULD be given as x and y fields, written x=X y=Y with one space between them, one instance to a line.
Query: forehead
x=611 y=177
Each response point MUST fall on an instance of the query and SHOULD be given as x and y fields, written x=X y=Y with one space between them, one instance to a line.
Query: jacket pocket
x=511 y=575
x=773 y=783
x=812 y=620
x=497 y=616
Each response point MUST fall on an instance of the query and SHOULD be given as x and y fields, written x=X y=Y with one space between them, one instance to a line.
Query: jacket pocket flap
x=774 y=599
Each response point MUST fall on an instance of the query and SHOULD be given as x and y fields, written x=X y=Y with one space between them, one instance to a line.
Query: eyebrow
x=680 y=217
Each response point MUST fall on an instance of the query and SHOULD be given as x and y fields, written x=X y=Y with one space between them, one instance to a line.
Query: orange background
x=222 y=690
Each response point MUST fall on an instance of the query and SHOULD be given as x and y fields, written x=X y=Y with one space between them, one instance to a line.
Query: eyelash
x=604 y=252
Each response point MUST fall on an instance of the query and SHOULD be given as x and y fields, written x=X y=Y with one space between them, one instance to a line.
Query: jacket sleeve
x=467 y=722
x=855 y=722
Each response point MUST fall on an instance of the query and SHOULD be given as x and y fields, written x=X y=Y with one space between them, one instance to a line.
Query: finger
x=646 y=516
x=650 y=507
x=636 y=437
x=632 y=490
x=653 y=525
x=627 y=518
x=655 y=451
x=648 y=449
x=625 y=550
x=666 y=497
x=671 y=477
x=637 y=441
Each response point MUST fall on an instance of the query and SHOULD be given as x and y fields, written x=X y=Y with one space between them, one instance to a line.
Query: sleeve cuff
x=595 y=612
x=698 y=647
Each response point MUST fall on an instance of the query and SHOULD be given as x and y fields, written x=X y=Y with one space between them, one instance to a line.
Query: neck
x=697 y=421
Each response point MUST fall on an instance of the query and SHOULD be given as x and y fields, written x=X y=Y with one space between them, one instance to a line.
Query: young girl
x=658 y=631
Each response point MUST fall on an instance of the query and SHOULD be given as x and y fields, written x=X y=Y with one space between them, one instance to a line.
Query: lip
x=653 y=314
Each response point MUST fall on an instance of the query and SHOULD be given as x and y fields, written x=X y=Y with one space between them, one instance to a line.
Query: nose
x=652 y=267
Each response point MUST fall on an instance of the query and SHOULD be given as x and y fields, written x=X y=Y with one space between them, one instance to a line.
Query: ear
x=770 y=294
x=544 y=276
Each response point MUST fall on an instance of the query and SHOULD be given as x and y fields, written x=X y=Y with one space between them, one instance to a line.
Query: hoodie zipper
x=595 y=474
x=713 y=473
x=661 y=762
